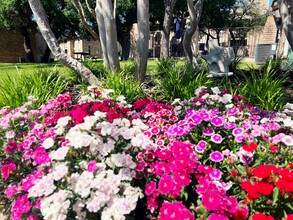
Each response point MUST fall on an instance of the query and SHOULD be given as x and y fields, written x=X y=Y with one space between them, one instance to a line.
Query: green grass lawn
x=13 y=68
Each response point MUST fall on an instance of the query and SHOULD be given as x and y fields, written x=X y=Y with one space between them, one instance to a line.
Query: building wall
x=11 y=46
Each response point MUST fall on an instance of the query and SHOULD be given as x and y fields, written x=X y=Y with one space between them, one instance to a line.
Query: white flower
x=199 y=90
x=59 y=171
x=289 y=106
x=227 y=98
x=59 y=154
x=79 y=139
x=62 y=122
x=44 y=186
x=288 y=122
x=139 y=124
x=100 y=115
x=83 y=183
x=288 y=140
x=48 y=143
x=56 y=205
x=216 y=90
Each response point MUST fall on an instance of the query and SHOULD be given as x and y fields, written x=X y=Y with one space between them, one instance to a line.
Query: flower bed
x=211 y=157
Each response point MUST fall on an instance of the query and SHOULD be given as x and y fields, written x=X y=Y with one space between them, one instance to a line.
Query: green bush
x=124 y=84
x=42 y=84
x=180 y=82
x=264 y=88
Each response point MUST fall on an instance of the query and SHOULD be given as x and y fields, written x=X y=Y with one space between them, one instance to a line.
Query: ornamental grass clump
x=213 y=156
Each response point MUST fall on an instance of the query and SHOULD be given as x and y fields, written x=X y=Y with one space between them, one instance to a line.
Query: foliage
x=124 y=84
x=42 y=84
x=176 y=81
x=210 y=157
x=264 y=89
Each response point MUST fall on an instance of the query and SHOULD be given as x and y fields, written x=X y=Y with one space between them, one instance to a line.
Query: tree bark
x=165 y=39
x=286 y=12
x=124 y=40
x=108 y=34
x=194 y=13
x=28 y=46
x=41 y=19
x=143 y=38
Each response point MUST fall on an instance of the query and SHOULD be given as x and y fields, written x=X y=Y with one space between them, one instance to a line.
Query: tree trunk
x=46 y=55
x=124 y=40
x=194 y=13
x=286 y=12
x=165 y=39
x=41 y=19
x=28 y=46
x=143 y=27
x=108 y=34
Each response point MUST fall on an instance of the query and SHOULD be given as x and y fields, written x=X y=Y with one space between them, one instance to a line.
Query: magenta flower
x=166 y=184
x=237 y=131
x=155 y=130
x=232 y=111
x=208 y=131
x=92 y=166
x=175 y=211
x=7 y=167
x=11 y=147
x=240 y=138
x=216 y=138
x=202 y=144
x=229 y=125
x=216 y=156
x=216 y=174
x=217 y=121
x=198 y=149
x=216 y=216
x=196 y=119
x=41 y=156
x=211 y=200
x=150 y=188
x=22 y=205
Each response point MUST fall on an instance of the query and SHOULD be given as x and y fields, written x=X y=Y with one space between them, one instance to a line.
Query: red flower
x=264 y=188
x=250 y=147
x=240 y=214
x=274 y=149
x=289 y=217
x=264 y=171
x=261 y=216
x=150 y=188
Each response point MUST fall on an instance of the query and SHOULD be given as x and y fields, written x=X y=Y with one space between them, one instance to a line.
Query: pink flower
x=216 y=138
x=217 y=121
x=232 y=111
x=22 y=205
x=174 y=211
x=92 y=166
x=208 y=131
x=211 y=200
x=216 y=156
x=216 y=174
x=216 y=216
x=150 y=188
x=11 y=190
x=32 y=216
x=41 y=156
x=237 y=131
x=11 y=147
x=166 y=184
x=7 y=167
x=229 y=125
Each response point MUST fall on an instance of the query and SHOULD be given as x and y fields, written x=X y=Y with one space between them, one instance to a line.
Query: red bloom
x=263 y=171
x=289 y=217
x=283 y=184
x=261 y=216
x=250 y=147
x=7 y=167
x=274 y=149
x=150 y=188
x=264 y=188
x=240 y=214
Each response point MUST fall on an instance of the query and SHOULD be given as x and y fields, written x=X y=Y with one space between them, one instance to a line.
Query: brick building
x=12 y=46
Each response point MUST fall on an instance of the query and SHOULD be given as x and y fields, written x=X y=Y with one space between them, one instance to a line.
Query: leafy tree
x=16 y=15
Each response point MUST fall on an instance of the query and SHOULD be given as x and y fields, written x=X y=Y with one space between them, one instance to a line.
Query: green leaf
x=275 y=195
